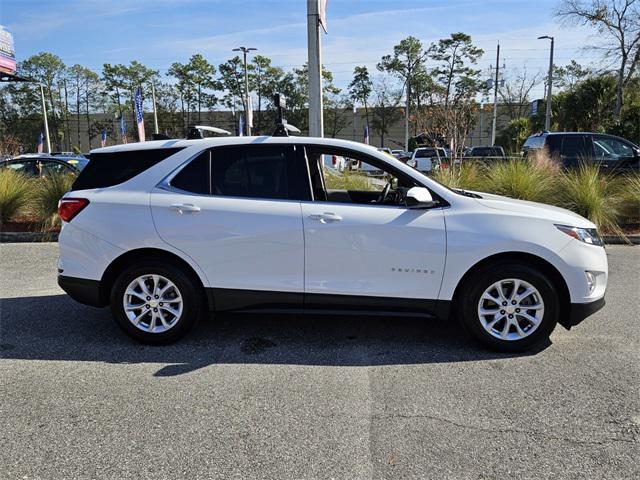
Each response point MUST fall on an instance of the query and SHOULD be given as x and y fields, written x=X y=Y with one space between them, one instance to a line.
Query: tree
x=121 y=82
x=515 y=93
x=263 y=81
x=515 y=134
x=406 y=62
x=588 y=105
x=232 y=81
x=385 y=110
x=569 y=75
x=618 y=24
x=201 y=75
x=47 y=69
x=361 y=87
x=456 y=84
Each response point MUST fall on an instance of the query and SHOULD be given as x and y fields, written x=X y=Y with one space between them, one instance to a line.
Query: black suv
x=609 y=151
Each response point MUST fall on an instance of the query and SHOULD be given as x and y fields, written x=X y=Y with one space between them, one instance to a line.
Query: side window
x=194 y=177
x=254 y=171
x=26 y=168
x=612 y=148
x=55 y=168
x=363 y=180
x=574 y=146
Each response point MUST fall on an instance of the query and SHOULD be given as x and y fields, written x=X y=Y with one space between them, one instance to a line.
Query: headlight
x=586 y=235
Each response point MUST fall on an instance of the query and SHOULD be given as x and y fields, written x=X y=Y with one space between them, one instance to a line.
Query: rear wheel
x=155 y=304
x=509 y=307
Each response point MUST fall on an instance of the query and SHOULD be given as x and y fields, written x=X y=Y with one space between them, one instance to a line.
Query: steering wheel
x=384 y=194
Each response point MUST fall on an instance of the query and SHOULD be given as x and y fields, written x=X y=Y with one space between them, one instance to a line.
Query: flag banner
x=139 y=114
x=249 y=113
x=103 y=138
x=241 y=126
x=366 y=134
x=40 y=142
x=123 y=129
x=322 y=14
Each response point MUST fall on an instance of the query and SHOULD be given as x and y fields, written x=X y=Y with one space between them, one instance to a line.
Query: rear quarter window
x=109 y=169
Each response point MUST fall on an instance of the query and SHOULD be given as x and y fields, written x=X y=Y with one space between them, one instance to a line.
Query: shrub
x=594 y=195
x=347 y=181
x=48 y=192
x=630 y=193
x=523 y=179
x=15 y=193
x=469 y=176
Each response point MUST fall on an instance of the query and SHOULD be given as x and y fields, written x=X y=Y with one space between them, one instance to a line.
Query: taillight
x=70 y=207
x=333 y=160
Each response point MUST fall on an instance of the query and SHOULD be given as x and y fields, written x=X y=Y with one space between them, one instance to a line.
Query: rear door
x=576 y=149
x=235 y=211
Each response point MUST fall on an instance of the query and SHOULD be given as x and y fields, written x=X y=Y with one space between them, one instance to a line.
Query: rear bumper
x=82 y=290
x=580 y=311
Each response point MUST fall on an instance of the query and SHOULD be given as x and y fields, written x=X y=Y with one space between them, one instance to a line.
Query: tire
x=489 y=328
x=158 y=322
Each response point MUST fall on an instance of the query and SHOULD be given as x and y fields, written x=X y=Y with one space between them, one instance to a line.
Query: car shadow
x=57 y=328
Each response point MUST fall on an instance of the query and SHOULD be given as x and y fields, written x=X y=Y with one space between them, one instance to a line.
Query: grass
x=630 y=195
x=347 y=181
x=469 y=176
x=594 y=195
x=49 y=190
x=15 y=194
x=522 y=179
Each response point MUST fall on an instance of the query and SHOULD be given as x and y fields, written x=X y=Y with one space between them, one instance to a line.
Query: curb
x=28 y=237
x=615 y=240
x=34 y=237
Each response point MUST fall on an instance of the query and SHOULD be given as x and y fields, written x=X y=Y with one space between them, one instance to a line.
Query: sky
x=160 y=32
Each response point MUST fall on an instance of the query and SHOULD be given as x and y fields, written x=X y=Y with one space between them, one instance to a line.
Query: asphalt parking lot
x=308 y=397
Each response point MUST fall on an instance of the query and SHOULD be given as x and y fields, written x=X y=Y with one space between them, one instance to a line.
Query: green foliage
x=15 y=193
x=630 y=193
x=48 y=191
x=468 y=176
x=587 y=106
x=522 y=179
x=515 y=134
x=346 y=181
x=594 y=195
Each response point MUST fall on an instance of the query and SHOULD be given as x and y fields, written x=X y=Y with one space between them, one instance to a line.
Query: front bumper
x=82 y=290
x=579 y=311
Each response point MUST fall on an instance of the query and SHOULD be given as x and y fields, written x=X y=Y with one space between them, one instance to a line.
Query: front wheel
x=510 y=307
x=155 y=304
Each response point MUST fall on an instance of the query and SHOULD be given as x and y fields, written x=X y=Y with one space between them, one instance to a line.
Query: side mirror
x=419 y=197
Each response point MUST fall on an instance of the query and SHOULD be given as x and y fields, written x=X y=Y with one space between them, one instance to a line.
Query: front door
x=242 y=227
x=360 y=245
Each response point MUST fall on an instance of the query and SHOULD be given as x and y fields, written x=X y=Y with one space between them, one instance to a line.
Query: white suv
x=165 y=230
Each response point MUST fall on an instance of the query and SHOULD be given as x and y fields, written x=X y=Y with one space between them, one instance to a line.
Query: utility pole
x=495 y=99
x=155 y=110
x=406 y=113
x=547 y=120
x=355 y=112
x=316 y=128
x=46 y=122
x=247 y=120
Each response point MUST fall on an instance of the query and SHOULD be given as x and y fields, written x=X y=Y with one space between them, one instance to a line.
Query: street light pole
x=547 y=120
x=244 y=51
x=495 y=99
x=314 y=52
x=46 y=122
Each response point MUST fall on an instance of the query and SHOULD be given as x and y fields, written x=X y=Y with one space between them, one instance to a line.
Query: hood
x=536 y=210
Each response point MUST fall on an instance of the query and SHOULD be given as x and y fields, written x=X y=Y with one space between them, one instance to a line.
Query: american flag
x=366 y=134
x=139 y=114
x=123 y=129
x=40 y=143
x=103 y=138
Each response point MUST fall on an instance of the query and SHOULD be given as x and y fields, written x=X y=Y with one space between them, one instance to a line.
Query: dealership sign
x=7 y=51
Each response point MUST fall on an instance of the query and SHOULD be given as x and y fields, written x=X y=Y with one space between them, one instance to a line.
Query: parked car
x=571 y=148
x=38 y=165
x=486 y=152
x=161 y=230
x=426 y=159
x=337 y=162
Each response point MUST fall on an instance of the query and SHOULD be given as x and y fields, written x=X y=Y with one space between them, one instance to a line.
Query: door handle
x=327 y=217
x=184 y=208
